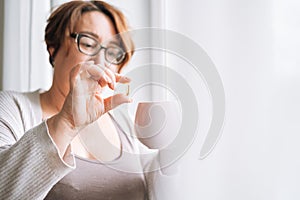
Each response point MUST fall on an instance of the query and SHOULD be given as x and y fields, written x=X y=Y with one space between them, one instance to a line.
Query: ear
x=51 y=51
x=51 y=55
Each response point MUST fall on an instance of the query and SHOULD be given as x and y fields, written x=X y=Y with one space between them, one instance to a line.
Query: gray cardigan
x=29 y=161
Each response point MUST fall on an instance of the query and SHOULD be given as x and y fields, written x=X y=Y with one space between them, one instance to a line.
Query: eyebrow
x=90 y=33
x=114 y=42
x=98 y=38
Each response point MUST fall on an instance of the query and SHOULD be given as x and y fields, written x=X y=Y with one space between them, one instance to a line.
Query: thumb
x=115 y=100
x=73 y=74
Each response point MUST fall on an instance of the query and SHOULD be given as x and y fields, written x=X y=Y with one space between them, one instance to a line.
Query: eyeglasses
x=90 y=46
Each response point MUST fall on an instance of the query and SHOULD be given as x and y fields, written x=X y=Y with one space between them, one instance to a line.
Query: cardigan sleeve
x=29 y=161
x=31 y=166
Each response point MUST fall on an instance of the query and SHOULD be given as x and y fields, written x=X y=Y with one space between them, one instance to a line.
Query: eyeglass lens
x=113 y=53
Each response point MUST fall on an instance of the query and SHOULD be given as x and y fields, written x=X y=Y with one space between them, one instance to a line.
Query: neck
x=52 y=101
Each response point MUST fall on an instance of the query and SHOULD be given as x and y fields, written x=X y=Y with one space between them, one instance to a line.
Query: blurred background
x=254 y=46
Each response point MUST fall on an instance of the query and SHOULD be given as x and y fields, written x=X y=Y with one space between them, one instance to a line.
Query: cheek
x=74 y=57
x=67 y=62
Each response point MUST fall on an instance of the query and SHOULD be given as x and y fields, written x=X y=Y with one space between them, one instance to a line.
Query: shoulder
x=16 y=110
x=14 y=96
x=12 y=101
x=8 y=101
x=7 y=95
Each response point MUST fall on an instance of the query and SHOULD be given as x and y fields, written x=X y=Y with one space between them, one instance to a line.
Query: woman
x=38 y=132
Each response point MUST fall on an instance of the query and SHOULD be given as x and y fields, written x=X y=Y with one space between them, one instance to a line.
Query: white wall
x=255 y=46
x=25 y=58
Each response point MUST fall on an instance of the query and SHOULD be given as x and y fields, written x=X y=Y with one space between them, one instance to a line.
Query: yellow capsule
x=128 y=90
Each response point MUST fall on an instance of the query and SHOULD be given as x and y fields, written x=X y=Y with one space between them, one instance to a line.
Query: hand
x=84 y=104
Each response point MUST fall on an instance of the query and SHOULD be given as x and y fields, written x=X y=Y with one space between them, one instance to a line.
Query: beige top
x=30 y=164
x=98 y=180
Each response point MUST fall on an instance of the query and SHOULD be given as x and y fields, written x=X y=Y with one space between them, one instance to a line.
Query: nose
x=99 y=58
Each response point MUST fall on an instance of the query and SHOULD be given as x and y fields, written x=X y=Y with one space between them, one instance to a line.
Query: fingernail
x=126 y=78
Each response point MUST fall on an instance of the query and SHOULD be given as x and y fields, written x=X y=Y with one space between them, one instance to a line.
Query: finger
x=112 y=77
x=109 y=79
x=115 y=76
x=119 y=78
x=104 y=81
x=95 y=72
x=122 y=79
x=114 y=101
x=73 y=74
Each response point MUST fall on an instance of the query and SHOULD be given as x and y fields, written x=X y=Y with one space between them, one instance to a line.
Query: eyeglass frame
x=78 y=36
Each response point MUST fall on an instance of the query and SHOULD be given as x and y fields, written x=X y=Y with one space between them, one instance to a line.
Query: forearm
x=61 y=133
x=30 y=167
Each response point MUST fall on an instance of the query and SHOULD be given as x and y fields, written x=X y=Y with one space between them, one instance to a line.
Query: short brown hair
x=64 y=19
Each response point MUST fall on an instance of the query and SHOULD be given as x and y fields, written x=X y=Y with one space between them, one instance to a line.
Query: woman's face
x=98 y=26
